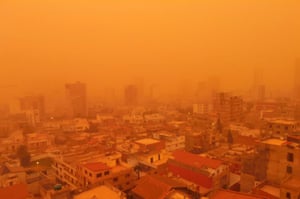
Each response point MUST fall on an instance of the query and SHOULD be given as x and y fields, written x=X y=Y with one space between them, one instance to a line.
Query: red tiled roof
x=222 y=194
x=150 y=187
x=18 y=191
x=96 y=166
x=196 y=160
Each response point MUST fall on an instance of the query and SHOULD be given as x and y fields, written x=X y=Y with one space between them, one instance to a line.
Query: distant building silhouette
x=33 y=103
x=131 y=95
x=258 y=88
x=297 y=80
x=76 y=97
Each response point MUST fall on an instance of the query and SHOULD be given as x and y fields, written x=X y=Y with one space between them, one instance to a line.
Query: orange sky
x=44 y=44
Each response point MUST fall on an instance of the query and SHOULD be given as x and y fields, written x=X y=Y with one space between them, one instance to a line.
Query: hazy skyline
x=44 y=45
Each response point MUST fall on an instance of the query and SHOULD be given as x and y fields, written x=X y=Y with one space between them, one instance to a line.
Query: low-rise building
x=224 y=194
x=204 y=172
x=155 y=186
x=172 y=141
x=290 y=188
x=279 y=128
x=103 y=191
x=91 y=169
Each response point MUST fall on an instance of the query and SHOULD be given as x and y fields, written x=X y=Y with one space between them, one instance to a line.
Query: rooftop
x=233 y=195
x=196 y=160
x=98 y=193
x=293 y=183
x=274 y=191
x=96 y=166
x=283 y=121
x=274 y=141
x=155 y=187
x=147 y=141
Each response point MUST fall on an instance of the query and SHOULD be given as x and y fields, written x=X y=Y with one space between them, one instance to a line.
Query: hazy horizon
x=107 y=44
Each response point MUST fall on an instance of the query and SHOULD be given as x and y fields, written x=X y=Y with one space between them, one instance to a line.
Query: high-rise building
x=33 y=104
x=228 y=107
x=258 y=90
x=297 y=80
x=76 y=97
x=131 y=95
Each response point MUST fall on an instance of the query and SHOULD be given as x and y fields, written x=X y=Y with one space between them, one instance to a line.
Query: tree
x=219 y=126
x=229 y=138
x=24 y=156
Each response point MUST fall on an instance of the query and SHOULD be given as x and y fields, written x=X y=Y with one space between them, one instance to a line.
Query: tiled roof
x=222 y=194
x=196 y=160
x=14 y=192
x=96 y=166
x=154 y=187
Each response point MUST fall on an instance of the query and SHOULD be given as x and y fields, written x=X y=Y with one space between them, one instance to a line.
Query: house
x=224 y=194
x=159 y=187
x=204 y=172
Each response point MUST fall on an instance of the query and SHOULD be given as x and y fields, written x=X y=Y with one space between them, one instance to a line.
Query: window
x=288 y=195
x=99 y=175
x=151 y=159
x=106 y=173
x=115 y=179
x=289 y=169
x=290 y=157
x=90 y=174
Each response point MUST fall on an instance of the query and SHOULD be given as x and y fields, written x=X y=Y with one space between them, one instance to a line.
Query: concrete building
x=156 y=186
x=283 y=160
x=290 y=188
x=279 y=128
x=206 y=173
x=38 y=142
x=297 y=80
x=151 y=155
x=131 y=95
x=225 y=194
x=229 y=108
x=92 y=169
x=35 y=104
x=51 y=190
x=172 y=141
x=77 y=100
x=103 y=191
x=202 y=108
x=10 y=176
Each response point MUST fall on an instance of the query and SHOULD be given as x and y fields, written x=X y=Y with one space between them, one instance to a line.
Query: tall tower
x=76 y=97
x=297 y=80
x=131 y=95
x=258 y=88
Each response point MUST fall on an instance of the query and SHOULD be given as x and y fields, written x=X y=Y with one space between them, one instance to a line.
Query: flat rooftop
x=147 y=141
x=274 y=141
x=274 y=191
x=283 y=121
x=98 y=193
